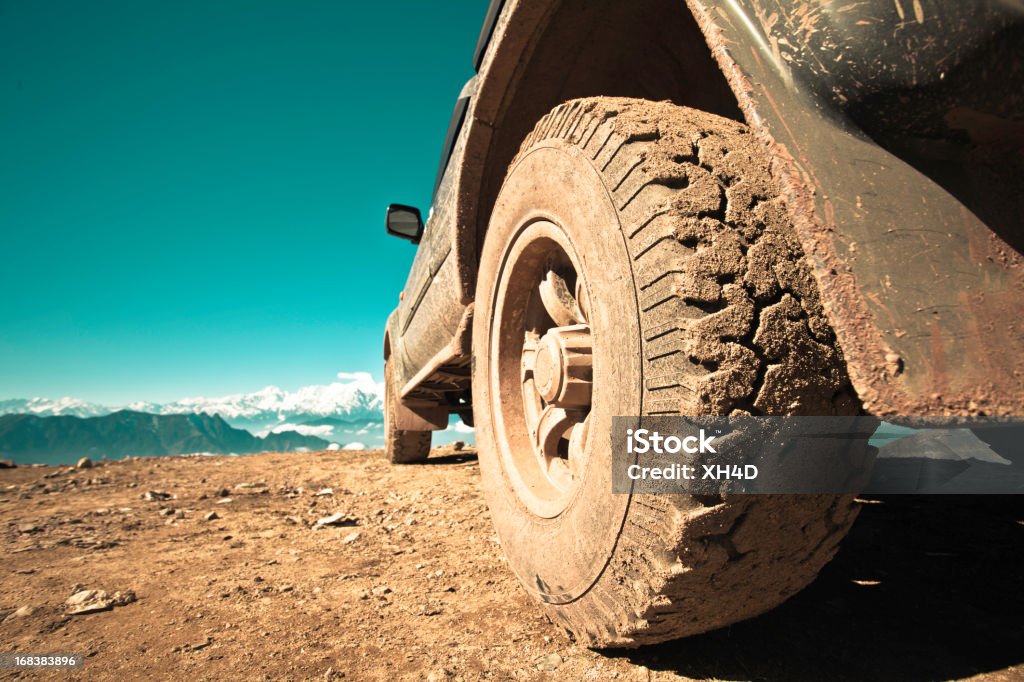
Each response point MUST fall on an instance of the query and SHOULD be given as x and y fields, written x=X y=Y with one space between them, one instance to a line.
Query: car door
x=430 y=310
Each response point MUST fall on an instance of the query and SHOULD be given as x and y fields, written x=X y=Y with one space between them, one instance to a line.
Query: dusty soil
x=413 y=584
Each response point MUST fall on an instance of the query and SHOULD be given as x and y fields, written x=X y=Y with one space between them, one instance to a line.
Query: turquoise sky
x=192 y=192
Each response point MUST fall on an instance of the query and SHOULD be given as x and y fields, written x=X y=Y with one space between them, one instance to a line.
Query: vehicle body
x=894 y=133
x=901 y=278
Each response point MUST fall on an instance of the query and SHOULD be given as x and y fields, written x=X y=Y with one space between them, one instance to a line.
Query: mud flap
x=416 y=418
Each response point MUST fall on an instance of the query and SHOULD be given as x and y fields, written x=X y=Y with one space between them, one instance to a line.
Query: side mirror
x=405 y=222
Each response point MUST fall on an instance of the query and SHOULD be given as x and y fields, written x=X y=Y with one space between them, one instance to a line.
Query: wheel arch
x=883 y=266
x=651 y=49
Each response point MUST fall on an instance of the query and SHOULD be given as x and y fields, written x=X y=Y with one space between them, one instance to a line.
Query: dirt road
x=229 y=578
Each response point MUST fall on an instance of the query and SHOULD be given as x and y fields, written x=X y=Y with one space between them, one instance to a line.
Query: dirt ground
x=411 y=584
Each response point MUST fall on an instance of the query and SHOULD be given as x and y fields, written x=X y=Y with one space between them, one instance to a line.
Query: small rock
x=894 y=363
x=156 y=496
x=23 y=612
x=94 y=601
x=166 y=511
x=286 y=588
x=458 y=445
x=185 y=648
x=28 y=528
x=250 y=486
x=324 y=492
x=338 y=519
x=550 y=662
x=84 y=463
x=124 y=598
x=223 y=500
x=381 y=590
x=223 y=492
x=80 y=599
x=211 y=516
x=7 y=464
x=351 y=537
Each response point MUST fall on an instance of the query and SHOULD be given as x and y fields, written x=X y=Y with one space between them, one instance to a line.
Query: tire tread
x=699 y=215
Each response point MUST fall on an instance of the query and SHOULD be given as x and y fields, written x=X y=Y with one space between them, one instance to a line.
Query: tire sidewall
x=389 y=415
x=559 y=558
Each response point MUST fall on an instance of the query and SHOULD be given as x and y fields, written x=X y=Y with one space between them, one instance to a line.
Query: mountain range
x=63 y=439
x=352 y=404
x=347 y=413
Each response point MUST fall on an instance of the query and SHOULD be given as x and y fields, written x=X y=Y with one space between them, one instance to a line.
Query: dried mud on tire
x=729 y=323
x=401 y=447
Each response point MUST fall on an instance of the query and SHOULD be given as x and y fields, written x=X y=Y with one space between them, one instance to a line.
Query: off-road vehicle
x=710 y=207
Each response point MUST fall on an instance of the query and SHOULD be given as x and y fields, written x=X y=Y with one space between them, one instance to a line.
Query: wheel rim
x=542 y=360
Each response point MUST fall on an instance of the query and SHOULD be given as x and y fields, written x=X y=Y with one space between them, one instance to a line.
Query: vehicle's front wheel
x=400 y=446
x=638 y=262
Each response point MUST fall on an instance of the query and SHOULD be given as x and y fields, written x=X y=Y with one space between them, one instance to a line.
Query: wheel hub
x=564 y=367
x=557 y=376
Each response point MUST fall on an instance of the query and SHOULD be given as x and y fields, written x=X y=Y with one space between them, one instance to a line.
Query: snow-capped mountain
x=355 y=401
x=349 y=411
x=44 y=407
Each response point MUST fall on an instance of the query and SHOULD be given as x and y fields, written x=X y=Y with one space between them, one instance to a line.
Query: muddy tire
x=401 y=447
x=639 y=262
